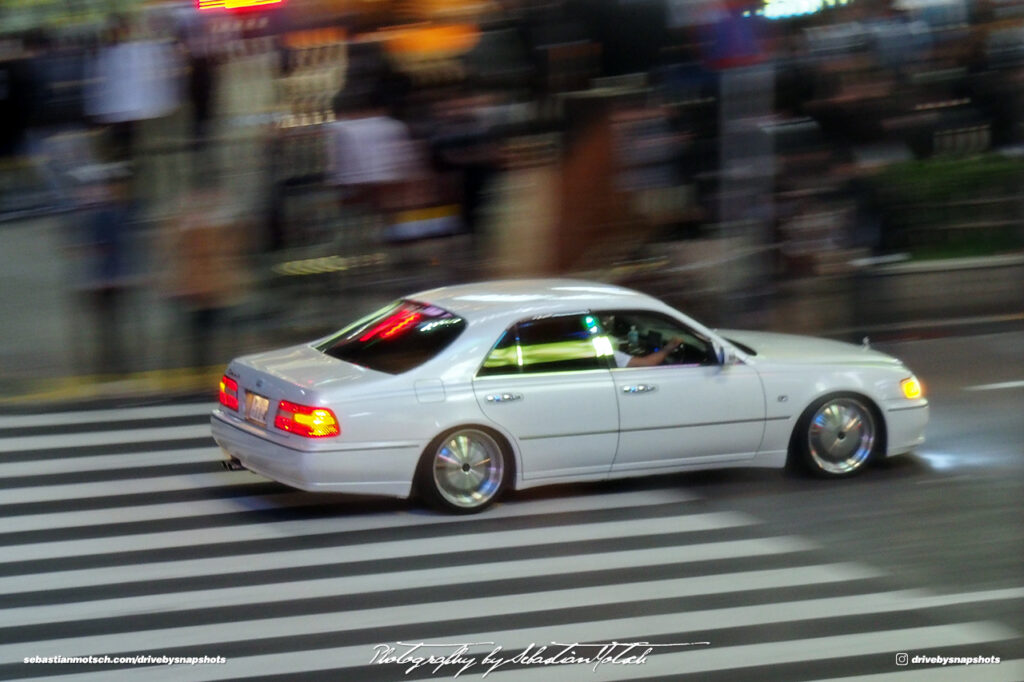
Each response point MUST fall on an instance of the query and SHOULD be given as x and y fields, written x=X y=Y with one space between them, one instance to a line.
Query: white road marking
x=134 y=486
x=708 y=659
x=156 y=512
x=439 y=582
x=1006 y=671
x=430 y=578
x=142 y=437
x=507 y=539
x=688 y=660
x=996 y=387
x=291 y=529
x=113 y=416
x=432 y=612
x=69 y=465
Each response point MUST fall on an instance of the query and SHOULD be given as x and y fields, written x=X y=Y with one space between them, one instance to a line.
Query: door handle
x=639 y=388
x=503 y=397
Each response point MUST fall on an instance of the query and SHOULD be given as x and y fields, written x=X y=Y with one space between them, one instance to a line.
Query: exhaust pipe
x=233 y=464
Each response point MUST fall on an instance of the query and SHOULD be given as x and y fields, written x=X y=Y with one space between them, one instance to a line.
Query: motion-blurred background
x=182 y=182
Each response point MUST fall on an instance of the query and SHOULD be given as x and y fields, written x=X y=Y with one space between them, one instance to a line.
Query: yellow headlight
x=911 y=388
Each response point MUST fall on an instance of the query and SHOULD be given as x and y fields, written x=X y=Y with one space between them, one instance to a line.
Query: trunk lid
x=299 y=374
x=304 y=367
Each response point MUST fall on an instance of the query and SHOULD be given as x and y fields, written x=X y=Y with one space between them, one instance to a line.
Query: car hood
x=806 y=349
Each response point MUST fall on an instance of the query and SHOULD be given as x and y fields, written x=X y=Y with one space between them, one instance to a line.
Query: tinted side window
x=639 y=332
x=552 y=344
x=504 y=358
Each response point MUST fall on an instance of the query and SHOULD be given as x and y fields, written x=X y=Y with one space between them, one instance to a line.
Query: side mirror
x=727 y=356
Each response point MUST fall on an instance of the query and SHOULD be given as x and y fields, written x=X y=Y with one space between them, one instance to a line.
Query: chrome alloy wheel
x=468 y=468
x=841 y=436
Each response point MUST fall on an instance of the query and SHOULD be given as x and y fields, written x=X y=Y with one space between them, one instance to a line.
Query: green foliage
x=943 y=208
x=942 y=180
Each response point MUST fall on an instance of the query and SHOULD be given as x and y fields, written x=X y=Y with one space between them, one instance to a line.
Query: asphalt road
x=127 y=538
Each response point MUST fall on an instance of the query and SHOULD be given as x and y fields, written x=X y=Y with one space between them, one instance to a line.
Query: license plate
x=256 y=408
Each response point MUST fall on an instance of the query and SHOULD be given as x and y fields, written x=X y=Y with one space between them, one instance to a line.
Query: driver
x=623 y=359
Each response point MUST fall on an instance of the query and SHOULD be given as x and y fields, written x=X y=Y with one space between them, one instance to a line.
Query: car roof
x=524 y=297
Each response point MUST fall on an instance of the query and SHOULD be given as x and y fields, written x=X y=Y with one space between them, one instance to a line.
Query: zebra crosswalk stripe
x=162 y=512
x=1006 y=671
x=62 y=465
x=382 y=550
x=71 y=491
x=691 y=660
x=109 y=416
x=92 y=438
x=292 y=529
x=363 y=521
x=440 y=610
x=422 y=578
x=774 y=653
x=278 y=595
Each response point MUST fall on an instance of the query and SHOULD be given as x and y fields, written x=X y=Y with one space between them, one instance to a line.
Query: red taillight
x=229 y=392
x=302 y=420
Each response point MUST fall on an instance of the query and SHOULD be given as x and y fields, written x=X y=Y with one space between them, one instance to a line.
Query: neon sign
x=204 y=5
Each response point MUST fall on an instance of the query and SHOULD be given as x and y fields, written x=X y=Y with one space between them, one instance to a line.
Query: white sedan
x=457 y=393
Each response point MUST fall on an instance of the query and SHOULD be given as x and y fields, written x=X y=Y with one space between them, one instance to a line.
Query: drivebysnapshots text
x=456 y=659
x=906 y=659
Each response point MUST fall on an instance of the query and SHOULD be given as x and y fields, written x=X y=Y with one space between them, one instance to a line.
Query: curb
x=81 y=392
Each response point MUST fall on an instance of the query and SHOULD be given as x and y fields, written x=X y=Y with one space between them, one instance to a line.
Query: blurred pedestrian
x=374 y=163
x=131 y=80
x=201 y=80
x=368 y=151
x=204 y=248
x=464 y=144
x=18 y=94
x=102 y=236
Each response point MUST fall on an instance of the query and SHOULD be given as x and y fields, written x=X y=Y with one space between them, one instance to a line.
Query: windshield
x=397 y=338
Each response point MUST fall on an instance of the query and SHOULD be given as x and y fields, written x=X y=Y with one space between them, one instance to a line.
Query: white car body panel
x=674 y=415
x=567 y=426
x=564 y=425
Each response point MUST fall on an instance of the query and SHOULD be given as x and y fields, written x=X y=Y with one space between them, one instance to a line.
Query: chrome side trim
x=571 y=435
x=655 y=428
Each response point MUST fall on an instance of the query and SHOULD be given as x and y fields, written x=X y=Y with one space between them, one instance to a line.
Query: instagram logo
x=902 y=659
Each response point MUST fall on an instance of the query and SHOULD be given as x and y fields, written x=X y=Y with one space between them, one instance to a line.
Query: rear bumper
x=905 y=427
x=365 y=468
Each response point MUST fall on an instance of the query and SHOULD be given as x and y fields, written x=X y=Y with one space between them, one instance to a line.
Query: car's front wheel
x=464 y=470
x=837 y=436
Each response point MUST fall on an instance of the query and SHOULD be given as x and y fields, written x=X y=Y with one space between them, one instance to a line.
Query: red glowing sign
x=204 y=5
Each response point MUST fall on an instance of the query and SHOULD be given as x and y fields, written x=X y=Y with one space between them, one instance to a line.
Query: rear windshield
x=397 y=338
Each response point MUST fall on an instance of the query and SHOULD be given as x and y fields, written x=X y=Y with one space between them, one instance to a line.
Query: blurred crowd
x=338 y=148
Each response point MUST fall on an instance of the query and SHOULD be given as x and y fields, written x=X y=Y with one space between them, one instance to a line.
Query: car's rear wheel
x=464 y=470
x=837 y=436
